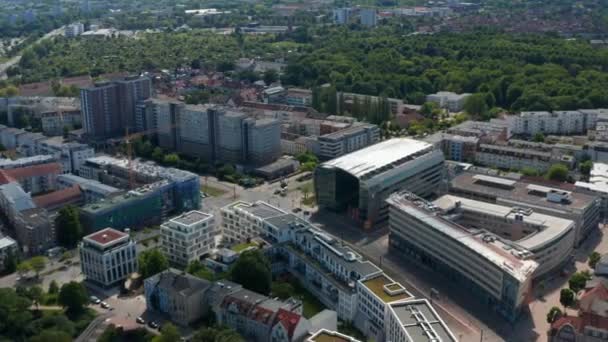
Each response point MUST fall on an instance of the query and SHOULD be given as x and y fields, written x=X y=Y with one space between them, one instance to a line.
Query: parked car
x=153 y=325
x=105 y=305
x=140 y=320
x=277 y=191
x=95 y=300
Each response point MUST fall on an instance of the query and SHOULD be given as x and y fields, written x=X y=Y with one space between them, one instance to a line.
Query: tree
x=68 y=226
x=196 y=268
x=151 y=262
x=554 y=314
x=35 y=293
x=171 y=159
x=73 y=296
x=168 y=333
x=157 y=154
x=24 y=267
x=578 y=281
x=429 y=109
x=38 y=264
x=529 y=171
x=252 y=270
x=594 y=258
x=14 y=310
x=270 y=76
x=282 y=290
x=566 y=297
x=51 y=335
x=586 y=167
x=476 y=105
x=558 y=172
x=539 y=137
x=53 y=287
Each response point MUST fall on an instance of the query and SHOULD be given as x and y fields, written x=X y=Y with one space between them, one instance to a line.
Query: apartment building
x=396 y=106
x=298 y=97
x=35 y=231
x=74 y=30
x=33 y=179
x=459 y=148
x=359 y=183
x=348 y=140
x=416 y=320
x=188 y=237
x=107 y=256
x=8 y=247
x=369 y=17
x=342 y=15
x=71 y=155
x=544 y=198
x=558 y=122
x=475 y=258
x=509 y=157
x=242 y=220
x=92 y=190
x=25 y=161
x=54 y=122
x=109 y=108
x=448 y=100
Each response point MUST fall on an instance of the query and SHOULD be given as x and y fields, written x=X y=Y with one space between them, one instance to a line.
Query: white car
x=95 y=300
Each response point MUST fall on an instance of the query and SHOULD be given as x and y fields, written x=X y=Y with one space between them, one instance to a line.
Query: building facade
x=188 y=237
x=348 y=140
x=108 y=256
x=359 y=183
x=448 y=100
x=558 y=122
x=474 y=258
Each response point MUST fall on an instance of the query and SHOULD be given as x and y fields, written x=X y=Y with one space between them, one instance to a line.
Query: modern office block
x=358 y=183
x=108 y=256
x=188 y=237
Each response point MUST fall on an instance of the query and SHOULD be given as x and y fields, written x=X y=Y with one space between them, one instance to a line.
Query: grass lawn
x=241 y=246
x=211 y=191
x=312 y=305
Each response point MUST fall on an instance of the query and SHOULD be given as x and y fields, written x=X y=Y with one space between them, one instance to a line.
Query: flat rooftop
x=519 y=192
x=355 y=129
x=191 y=217
x=259 y=209
x=502 y=253
x=548 y=228
x=106 y=236
x=377 y=286
x=421 y=322
x=383 y=155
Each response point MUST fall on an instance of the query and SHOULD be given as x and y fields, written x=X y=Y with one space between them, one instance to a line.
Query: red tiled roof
x=106 y=235
x=289 y=320
x=260 y=314
x=599 y=292
x=580 y=322
x=32 y=171
x=5 y=179
x=59 y=197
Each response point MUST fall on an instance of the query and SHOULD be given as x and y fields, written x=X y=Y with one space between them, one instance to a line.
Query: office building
x=448 y=100
x=416 y=320
x=108 y=256
x=549 y=238
x=347 y=100
x=8 y=248
x=215 y=133
x=359 y=183
x=92 y=190
x=188 y=237
x=178 y=295
x=597 y=185
x=158 y=192
x=55 y=122
x=558 y=122
x=74 y=30
x=298 y=97
x=549 y=199
x=509 y=157
x=459 y=148
x=368 y=17
x=348 y=140
x=496 y=270
x=342 y=15
x=109 y=108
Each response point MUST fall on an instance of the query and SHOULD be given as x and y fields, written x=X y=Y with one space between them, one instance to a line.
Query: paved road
x=4 y=66
x=95 y=329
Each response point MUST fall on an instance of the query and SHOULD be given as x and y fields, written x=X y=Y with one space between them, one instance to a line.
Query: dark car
x=153 y=325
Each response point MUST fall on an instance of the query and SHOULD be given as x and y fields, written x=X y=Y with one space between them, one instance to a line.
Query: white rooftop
x=6 y=241
x=380 y=155
x=549 y=228
x=494 y=250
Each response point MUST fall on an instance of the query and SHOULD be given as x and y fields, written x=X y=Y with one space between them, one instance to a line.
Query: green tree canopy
x=476 y=105
x=578 y=281
x=566 y=297
x=217 y=334
x=554 y=314
x=586 y=167
x=73 y=296
x=151 y=262
x=168 y=333
x=282 y=290
x=252 y=270
x=539 y=137
x=68 y=226
x=558 y=172
x=38 y=264
x=594 y=258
